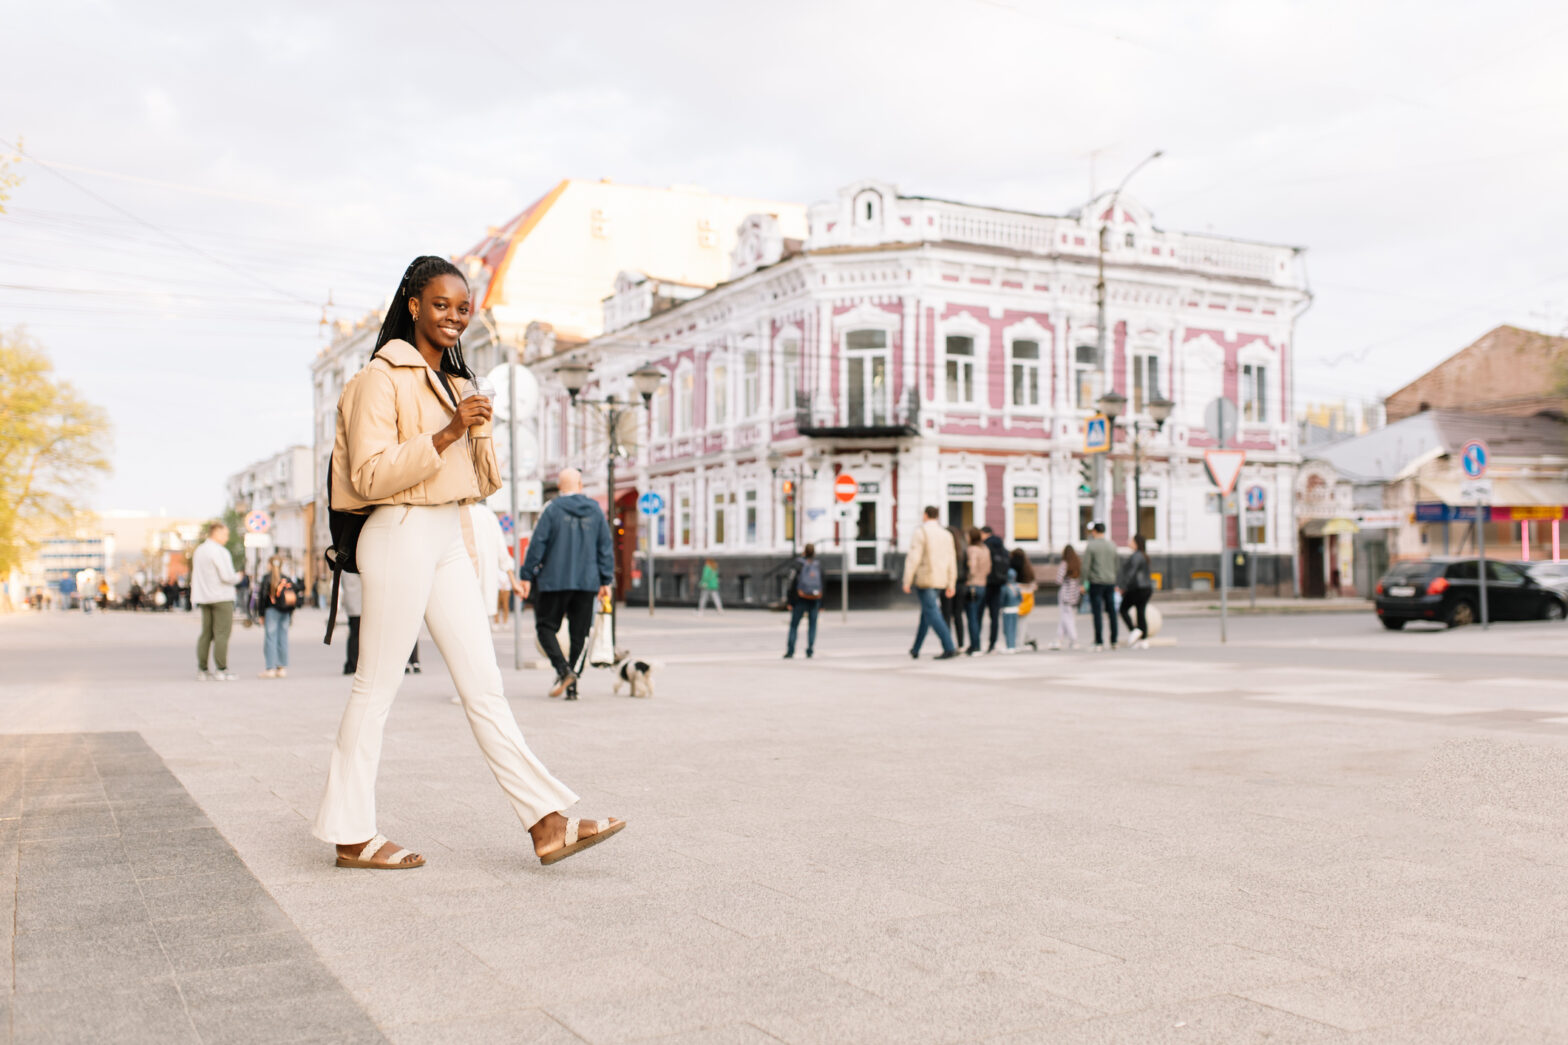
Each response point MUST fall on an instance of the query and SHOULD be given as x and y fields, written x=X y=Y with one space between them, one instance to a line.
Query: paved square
x=1317 y=832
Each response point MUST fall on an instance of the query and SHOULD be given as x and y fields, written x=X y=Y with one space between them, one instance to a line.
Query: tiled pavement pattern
x=134 y=921
x=862 y=849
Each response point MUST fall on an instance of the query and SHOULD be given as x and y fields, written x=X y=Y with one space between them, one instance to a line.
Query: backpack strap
x=332 y=611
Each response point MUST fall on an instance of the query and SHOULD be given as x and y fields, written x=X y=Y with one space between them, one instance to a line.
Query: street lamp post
x=1112 y=404
x=646 y=379
x=1102 y=503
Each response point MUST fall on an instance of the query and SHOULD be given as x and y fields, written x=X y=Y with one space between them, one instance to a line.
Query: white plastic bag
x=601 y=648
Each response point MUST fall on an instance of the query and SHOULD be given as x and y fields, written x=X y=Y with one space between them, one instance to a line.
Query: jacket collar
x=401 y=353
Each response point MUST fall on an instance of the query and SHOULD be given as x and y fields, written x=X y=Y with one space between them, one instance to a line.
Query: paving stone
x=204 y=953
x=113 y=902
x=522 y=1027
x=73 y=825
x=63 y=958
x=145 y=1014
x=331 y=1015
x=1201 y=1021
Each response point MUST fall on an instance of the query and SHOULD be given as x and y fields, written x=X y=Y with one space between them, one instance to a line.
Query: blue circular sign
x=1473 y=457
x=650 y=503
x=506 y=522
x=1255 y=497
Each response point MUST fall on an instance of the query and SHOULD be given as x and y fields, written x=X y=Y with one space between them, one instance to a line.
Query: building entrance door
x=961 y=514
x=865 y=549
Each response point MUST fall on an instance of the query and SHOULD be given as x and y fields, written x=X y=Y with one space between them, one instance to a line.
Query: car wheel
x=1392 y=625
x=1461 y=614
x=1555 y=610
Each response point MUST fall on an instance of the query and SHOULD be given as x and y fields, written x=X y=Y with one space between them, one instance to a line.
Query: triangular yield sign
x=1224 y=467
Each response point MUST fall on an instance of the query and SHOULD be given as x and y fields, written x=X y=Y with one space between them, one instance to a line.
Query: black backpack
x=809 y=584
x=344 y=528
x=1000 y=564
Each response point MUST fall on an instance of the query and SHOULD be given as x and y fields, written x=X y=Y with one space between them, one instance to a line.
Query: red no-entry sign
x=845 y=488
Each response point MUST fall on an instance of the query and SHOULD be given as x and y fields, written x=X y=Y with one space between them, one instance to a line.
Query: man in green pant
x=213 y=578
x=1099 y=568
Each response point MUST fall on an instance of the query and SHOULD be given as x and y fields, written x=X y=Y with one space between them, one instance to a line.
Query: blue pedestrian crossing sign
x=650 y=503
x=1097 y=434
x=1473 y=457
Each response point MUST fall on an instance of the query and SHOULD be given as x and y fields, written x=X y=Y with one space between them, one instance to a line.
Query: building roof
x=1507 y=370
x=1391 y=452
x=496 y=250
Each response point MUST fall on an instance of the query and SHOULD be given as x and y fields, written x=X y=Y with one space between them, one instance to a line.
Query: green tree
x=236 y=546
x=53 y=445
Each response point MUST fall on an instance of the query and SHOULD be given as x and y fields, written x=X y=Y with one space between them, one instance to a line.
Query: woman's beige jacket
x=385 y=451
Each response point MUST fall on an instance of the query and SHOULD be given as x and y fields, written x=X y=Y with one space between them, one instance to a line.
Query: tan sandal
x=574 y=844
x=366 y=859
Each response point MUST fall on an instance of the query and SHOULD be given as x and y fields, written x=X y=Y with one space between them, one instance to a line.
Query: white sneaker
x=281 y=673
x=1133 y=636
x=1097 y=648
x=1144 y=644
x=224 y=676
x=270 y=673
x=1054 y=646
x=204 y=676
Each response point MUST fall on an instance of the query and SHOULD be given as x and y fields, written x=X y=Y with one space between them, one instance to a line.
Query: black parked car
x=1448 y=590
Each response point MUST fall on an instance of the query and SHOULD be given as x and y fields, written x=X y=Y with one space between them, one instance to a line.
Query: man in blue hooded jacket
x=569 y=560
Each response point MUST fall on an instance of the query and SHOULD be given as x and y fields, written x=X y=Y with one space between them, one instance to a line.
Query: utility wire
x=186 y=244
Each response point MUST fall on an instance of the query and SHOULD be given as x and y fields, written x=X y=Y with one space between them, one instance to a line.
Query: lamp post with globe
x=1112 y=404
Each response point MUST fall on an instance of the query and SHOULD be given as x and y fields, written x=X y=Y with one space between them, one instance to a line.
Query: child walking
x=1012 y=598
x=1069 y=592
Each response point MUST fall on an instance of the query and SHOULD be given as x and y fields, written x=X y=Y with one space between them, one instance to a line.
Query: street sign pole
x=1480 y=567
x=653 y=524
x=511 y=481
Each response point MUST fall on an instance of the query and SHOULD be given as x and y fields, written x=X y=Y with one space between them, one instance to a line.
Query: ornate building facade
x=946 y=354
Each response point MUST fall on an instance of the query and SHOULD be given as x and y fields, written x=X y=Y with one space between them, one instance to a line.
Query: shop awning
x=1329 y=527
x=1506 y=493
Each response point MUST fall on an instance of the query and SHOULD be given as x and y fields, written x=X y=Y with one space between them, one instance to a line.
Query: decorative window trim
x=963 y=324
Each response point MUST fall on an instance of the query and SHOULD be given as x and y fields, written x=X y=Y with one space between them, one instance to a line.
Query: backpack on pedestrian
x=1000 y=564
x=808 y=585
x=344 y=529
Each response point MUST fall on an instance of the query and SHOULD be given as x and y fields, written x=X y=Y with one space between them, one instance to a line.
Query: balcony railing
x=868 y=418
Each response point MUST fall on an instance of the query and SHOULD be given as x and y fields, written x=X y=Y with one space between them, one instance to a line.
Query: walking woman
x=1137 y=587
x=278 y=599
x=413 y=447
x=708 y=587
x=1069 y=593
x=977 y=558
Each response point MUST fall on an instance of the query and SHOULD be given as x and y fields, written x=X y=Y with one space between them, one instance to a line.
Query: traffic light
x=789 y=488
x=1085 y=477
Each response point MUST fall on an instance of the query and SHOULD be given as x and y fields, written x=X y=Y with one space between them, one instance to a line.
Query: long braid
x=399 y=324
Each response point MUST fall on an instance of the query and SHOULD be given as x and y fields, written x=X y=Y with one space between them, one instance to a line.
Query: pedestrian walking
x=1018 y=560
x=708 y=587
x=495 y=562
x=414 y=445
x=1069 y=592
x=352 y=601
x=1137 y=587
x=1099 y=561
x=932 y=568
x=953 y=611
x=977 y=563
x=277 y=599
x=213 y=578
x=1000 y=564
x=570 y=561
x=805 y=599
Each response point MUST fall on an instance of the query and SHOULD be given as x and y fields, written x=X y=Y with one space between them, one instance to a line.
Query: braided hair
x=399 y=324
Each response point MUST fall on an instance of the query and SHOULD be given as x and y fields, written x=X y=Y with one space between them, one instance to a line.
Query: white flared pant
x=414 y=563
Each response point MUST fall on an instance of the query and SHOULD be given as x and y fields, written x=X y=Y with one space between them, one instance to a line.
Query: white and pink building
x=941 y=353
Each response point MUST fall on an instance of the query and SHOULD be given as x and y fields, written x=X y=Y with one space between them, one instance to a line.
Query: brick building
x=1508 y=371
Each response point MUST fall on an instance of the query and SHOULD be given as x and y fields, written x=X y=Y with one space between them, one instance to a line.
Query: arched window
x=959 y=369
x=868 y=208
x=718 y=392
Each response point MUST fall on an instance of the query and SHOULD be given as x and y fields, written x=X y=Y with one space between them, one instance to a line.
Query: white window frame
x=963 y=369
x=1252 y=357
x=750 y=384
x=685 y=405
x=788 y=369
x=1151 y=361
x=718 y=391
x=661 y=417
x=885 y=351
x=1092 y=370
x=1028 y=330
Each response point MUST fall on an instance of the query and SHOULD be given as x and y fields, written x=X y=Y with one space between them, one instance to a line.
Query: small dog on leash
x=638 y=674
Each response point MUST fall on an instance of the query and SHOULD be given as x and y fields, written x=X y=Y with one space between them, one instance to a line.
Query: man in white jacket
x=213 y=578
x=932 y=568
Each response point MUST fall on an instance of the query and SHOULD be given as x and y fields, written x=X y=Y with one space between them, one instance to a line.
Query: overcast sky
x=230 y=166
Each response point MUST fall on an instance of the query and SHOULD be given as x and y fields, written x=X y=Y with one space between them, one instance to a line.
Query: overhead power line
x=184 y=243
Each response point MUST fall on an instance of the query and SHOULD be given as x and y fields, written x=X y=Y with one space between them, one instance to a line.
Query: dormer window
x=1131 y=240
x=868 y=208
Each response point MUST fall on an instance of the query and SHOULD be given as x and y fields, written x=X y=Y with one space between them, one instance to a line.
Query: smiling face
x=440 y=313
